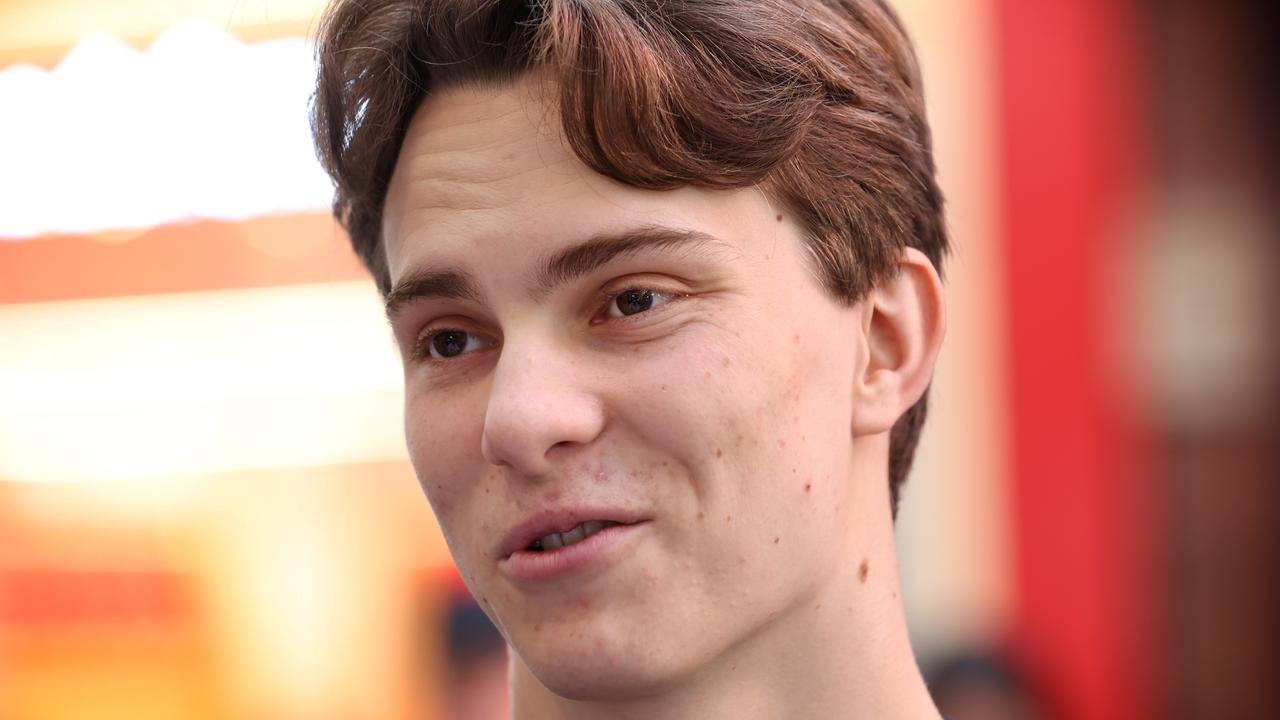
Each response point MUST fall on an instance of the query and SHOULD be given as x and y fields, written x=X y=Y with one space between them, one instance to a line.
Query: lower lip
x=527 y=566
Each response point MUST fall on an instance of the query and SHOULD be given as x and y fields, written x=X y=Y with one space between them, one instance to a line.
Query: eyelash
x=422 y=348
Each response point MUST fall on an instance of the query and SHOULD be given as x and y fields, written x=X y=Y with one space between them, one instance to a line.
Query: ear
x=903 y=321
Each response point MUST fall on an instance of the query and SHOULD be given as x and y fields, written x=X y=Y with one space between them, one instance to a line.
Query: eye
x=450 y=343
x=636 y=301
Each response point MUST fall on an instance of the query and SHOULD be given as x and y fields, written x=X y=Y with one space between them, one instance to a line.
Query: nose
x=539 y=407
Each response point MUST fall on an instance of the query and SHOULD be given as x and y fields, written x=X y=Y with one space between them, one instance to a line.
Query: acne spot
x=782 y=443
x=719 y=452
x=728 y=518
x=553 y=496
x=664 y=388
x=701 y=515
x=775 y=540
x=808 y=487
x=863 y=569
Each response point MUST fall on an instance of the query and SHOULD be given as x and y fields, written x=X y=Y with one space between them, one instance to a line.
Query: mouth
x=573 y=536
x=556 y=530
x=557 y=547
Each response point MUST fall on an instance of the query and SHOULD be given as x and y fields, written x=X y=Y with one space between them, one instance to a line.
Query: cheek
x=444 y=448
x=785 y=418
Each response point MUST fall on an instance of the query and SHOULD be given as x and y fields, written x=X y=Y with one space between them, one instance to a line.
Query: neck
x=843 y=653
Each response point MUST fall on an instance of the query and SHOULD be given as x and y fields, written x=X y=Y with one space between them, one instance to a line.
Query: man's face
x=580 y=353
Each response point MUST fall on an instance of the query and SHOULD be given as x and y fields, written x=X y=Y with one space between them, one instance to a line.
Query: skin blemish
x=779 y=218
x=728 y=518
x=808 y=487
x=719 y=452
x=782 y=443
x=701 y=515
x=726 y=361
x=775 y=540
x=707 y=374
x=537 y=627
x=863 y=569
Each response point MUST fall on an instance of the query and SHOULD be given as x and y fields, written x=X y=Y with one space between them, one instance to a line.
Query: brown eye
x=636 y=301
x=447 y=344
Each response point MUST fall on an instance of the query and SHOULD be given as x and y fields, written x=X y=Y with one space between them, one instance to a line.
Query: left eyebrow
x=574 y=262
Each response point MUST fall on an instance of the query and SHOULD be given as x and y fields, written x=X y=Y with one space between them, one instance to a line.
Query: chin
x=591 y=669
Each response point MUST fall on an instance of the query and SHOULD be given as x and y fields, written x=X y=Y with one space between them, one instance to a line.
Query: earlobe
x=904 y=321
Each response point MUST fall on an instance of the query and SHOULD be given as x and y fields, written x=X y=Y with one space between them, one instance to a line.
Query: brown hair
x=817 y=101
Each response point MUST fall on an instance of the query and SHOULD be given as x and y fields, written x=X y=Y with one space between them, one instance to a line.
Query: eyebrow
x=564 y=266
x=448 y=283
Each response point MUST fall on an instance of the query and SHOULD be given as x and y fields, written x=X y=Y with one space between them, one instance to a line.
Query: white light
x=198 y=125
x=157 y=387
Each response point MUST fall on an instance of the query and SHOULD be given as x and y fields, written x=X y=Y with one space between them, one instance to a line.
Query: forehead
x=485 y=172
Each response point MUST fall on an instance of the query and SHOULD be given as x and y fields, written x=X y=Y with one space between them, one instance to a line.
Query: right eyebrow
x=446 y=283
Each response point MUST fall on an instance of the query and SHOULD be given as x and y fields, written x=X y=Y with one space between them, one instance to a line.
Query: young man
x=663 y=274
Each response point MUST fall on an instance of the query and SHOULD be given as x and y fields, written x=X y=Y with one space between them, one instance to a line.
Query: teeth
x=555 y=541
x=573 y=536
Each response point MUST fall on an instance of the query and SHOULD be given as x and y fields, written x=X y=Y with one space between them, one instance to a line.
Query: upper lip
x=554 y=520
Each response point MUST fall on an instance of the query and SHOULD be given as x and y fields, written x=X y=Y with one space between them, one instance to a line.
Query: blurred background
x=205 y=506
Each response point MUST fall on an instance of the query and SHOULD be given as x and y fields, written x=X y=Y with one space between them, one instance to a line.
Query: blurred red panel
x=1084 y=505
